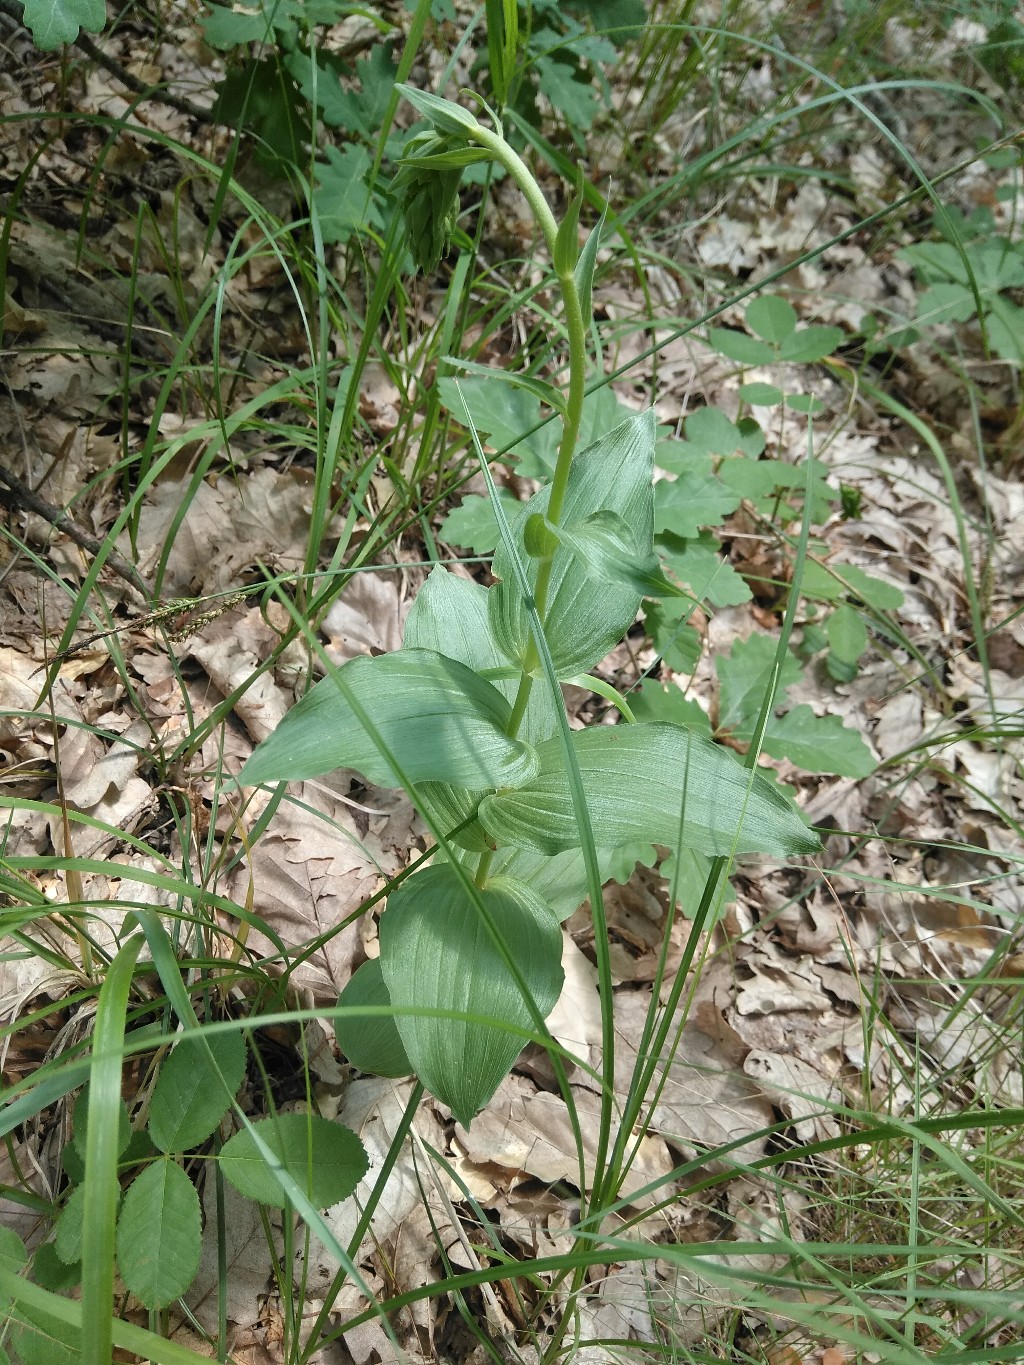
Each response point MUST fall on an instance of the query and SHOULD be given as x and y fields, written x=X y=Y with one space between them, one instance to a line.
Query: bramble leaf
x=744 y=674
x=189 y=1098
x=159 y=1234
x=473 y=524
x=54 y=22
x=325 y=1159
x=818 y=744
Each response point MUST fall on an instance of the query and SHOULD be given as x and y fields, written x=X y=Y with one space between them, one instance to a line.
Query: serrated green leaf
x=1005 y=324
x=581 y=626
x=343 y=200
x=81 y=1123
x=441 y=721
x=700 y=565
x=49 y=1271
x=744 y=674
x=734 y=345
x=372 y=1043
x=502 y=413
x=761 y=395
x=847 y=634
x=363 y=110
x=225 y=28
x=675 y=641
x=325 y=1159
x=159 y=1234
x=818 y=744
x=67 y=1241
x=756 y=479
x=189 y=1098
x=709 y=430
x=575 y=99
x=690 y=502
x=54 y=22
x=655 y=701
x=945 y=302
x=772 y=318
x=727 y=809
x=811 y=343
x=436 y=953
x=473 y=525
x=13 y=1257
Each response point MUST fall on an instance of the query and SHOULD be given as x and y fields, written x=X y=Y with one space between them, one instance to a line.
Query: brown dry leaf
x=227 y=527
x=771 y=984
x=369 y=616
x=248 y=1259
x=312 y=870
x=575 y=1022
x=620 y=1311
x=706 y=1102
x=798 y=1090
x=527 y=1133
x=373 y=1109
x=230 y=649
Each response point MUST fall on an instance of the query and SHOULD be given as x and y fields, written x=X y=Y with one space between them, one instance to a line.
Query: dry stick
x=18 y=494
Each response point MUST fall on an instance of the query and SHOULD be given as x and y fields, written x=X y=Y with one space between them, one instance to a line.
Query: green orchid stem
x=576 y=330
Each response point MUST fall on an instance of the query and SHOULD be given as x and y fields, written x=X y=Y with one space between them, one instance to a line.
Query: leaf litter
x=774 y=1030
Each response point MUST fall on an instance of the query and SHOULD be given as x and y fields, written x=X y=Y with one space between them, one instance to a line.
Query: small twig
x=18 y=494
x=130 y=82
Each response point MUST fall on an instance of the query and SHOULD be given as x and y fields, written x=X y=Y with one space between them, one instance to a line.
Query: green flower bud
x=427 y=187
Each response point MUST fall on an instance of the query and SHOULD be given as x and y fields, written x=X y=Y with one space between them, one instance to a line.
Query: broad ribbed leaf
x=440 y=720
x=638 y=779
x=450 y=807
x=371 y=1043
x=436 y=953
x=450 y=617
x=325 y=1159
x=189 y=1098
x=606 y=547
x=582 y=620
x=159 y=1234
